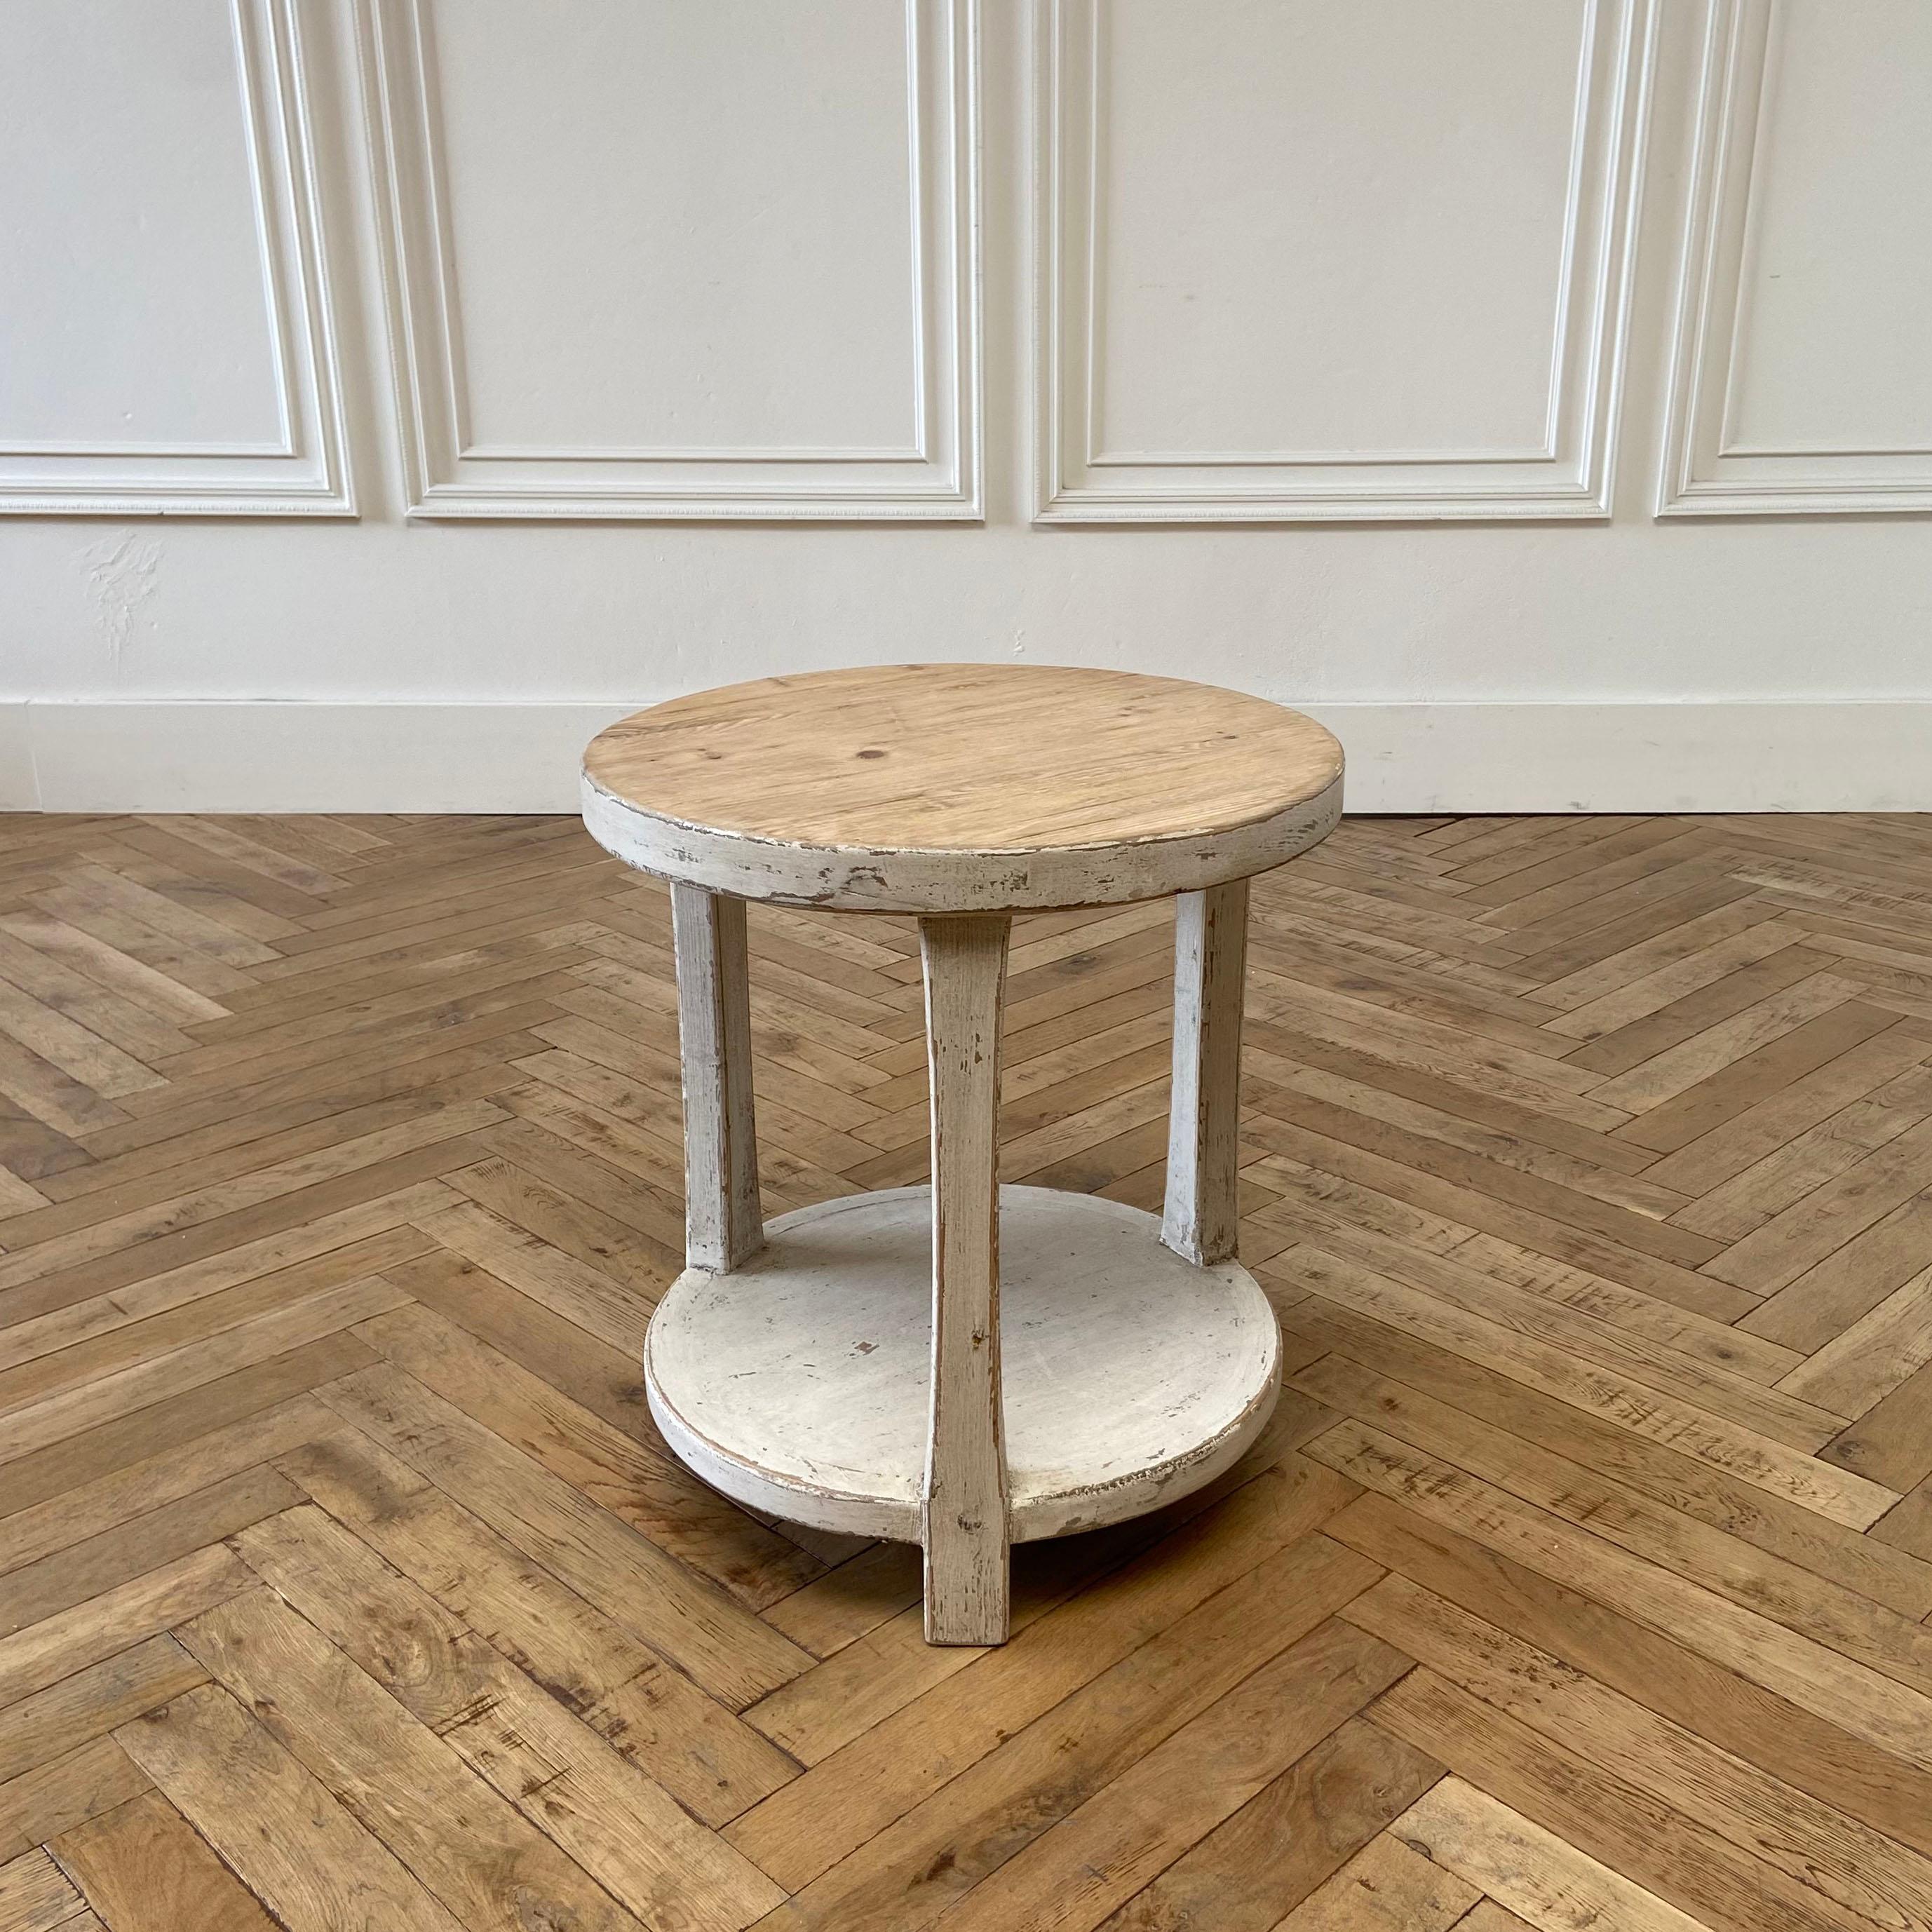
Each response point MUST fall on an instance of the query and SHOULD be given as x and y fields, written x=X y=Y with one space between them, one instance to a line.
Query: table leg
x=722 y=1224
x=1203 y=1116
x=963 y=1517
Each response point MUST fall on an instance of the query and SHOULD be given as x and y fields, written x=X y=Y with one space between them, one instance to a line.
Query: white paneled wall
x=1335 y=260
x=1804 y=374
x=1539 y=390
x=694 y=258
x=167 y=335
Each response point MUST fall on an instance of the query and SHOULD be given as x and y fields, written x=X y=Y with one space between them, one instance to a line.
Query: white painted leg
x=722 y=1224
x=1210 y=945
x=963 y=1518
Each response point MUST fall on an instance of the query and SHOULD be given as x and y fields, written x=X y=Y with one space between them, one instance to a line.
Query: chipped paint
x=122 y=575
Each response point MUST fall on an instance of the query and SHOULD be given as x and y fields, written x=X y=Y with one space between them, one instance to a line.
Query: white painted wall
x=1536 y=389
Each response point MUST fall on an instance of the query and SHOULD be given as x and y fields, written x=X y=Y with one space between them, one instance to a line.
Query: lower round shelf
x=798 y=1384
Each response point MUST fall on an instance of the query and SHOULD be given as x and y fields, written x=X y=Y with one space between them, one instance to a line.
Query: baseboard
x=269 y=756
x=272 y=756
x=1867 y=756
x=19 y=791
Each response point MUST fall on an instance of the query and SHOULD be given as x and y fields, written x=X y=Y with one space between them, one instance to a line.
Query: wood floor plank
x=830 y=1706
x=37 y=1896
x=274 y=1822
x=1823 y=1153
x=1499 y=1179
x=627 y=1471
x=1892 y=1716
x=1627 y=1830
x=96 y=1508
x=1814 y=1310
x=66 y=1791
x=1819 y=1849
x=1729 y=1347
x=1608 y=1184
x=1753 y=1458
x=855 y=1597
x=1265 y=1780
x=876 y=1776
x=625 y=1829
x=1908 y=1525
x=1543 y=1880
x=16 y=1197
x=469 y=1845
x=125 y=1266
x=51 y=1097
x=1807 y=1752
x=580 y=1294
x=104 y=1626
x=1617 y=992
x=67 y=1412
x=83 y=1055
x=1360 y=1353
x=1632 y=1338
x=31 y=1150
x=136 y=1440
x=119 y=932
x=1746 y=1081
x=1892 y=1441
x=1806 y=1232
x=1581 y=1247
x=926 y=1862
x=1288 y=1837
x=110 y=1236
x=1726 y=1149
x=97 y=1564
x=693 y=1623
x=92 y=1701
x=1386 y=1887
x=1663 y=1075
x=1865 y=1362
x=146 y=1869
x=1897 y=1644
x=715 y=1765
x=91 y=958
x=1601 y=923
x=89 y=1339
x=562 y=1221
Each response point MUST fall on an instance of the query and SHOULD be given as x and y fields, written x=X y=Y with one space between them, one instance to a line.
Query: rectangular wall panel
x=1802 y=377
x=165 y=344
x=663 y=259
x=1301 y=261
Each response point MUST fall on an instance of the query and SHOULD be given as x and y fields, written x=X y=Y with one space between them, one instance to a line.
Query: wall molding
x=447 y=474
x=1702 y=473
x=183 y=755
x=1570 y=477
x=306 y=472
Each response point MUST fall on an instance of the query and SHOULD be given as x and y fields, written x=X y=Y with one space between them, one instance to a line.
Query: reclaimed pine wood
x=959 y=787
x=838 y=1432
x=1582 y=1569
x=761 y=792
x=1201 y=1217
x=722 y=1224
x=962 y=1518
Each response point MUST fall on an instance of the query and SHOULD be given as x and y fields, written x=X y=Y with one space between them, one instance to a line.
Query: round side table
x=967 y=1365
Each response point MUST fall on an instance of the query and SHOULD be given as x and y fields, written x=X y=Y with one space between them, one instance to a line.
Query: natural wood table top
x=857 y=786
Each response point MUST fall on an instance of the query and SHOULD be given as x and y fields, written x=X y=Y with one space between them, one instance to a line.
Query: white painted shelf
x=799 y=1383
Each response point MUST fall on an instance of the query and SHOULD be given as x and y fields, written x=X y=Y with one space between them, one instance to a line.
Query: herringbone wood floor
x=1579 y=1581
